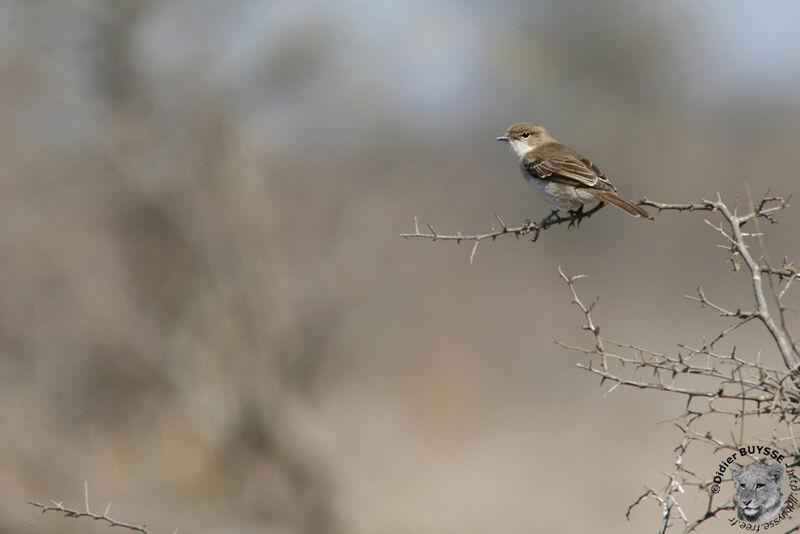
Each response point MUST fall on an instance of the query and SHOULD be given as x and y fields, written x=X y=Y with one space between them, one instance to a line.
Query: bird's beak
x=503 y=138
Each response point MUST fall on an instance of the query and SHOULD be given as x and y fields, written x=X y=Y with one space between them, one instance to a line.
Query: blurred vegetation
x=206 y=310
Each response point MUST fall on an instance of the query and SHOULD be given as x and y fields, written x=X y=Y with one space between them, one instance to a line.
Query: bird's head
x=524 y=137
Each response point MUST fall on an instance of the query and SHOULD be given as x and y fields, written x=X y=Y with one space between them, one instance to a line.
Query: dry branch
x=573 y=218
x=55 y=506
x=722 y=384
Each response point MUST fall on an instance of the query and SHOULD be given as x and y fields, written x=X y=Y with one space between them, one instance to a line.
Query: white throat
x=520 y=147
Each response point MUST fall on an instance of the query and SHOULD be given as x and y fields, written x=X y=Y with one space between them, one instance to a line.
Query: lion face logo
x=758 y=491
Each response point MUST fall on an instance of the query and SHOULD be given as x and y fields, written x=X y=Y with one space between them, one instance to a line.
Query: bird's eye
x=526 y=134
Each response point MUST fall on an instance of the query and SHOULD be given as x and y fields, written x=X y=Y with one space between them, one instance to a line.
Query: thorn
x=86 y=495
x=610 y=391
x=497 y=215
x=432 y=230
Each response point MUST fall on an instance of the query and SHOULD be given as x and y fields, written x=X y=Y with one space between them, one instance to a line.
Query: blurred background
x=206 y=310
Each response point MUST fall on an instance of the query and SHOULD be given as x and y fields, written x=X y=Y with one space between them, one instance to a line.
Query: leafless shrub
x=714 y=383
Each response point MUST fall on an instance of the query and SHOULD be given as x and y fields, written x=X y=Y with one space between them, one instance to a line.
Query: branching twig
x=573 y=218
x=104 y=517
x=713 y=383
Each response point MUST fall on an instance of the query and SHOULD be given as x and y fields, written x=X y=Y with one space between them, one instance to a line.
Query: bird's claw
x=576 y=216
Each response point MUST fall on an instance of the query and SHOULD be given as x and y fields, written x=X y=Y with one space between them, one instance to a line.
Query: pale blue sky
x=422 y=64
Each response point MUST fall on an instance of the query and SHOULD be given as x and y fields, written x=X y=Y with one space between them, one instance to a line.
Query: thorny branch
x=104 y=517
x=714 y=383
x=573 y=218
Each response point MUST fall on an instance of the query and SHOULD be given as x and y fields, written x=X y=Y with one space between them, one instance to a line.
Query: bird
x=562 y=176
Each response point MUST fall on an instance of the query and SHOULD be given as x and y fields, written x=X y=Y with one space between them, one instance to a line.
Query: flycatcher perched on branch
x=561 y=175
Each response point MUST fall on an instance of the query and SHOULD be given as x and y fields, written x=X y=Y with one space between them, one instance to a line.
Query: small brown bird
x=561 y=175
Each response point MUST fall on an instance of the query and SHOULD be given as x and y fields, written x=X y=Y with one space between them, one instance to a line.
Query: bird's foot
x=576 y=216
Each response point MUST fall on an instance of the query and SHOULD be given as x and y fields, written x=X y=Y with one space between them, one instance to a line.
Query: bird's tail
x=612 y=198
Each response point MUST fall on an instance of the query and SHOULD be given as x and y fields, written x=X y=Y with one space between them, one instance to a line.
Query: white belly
x=560 y=195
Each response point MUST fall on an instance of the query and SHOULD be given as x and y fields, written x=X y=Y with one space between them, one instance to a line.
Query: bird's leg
x=576 y=216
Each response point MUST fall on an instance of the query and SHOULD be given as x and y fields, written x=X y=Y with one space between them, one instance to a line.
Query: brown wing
x=562 y=164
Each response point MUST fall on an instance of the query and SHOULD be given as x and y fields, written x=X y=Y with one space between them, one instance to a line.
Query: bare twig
x=104 y=517
x=703 y=205
x=573 y=218
x=717 y=384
